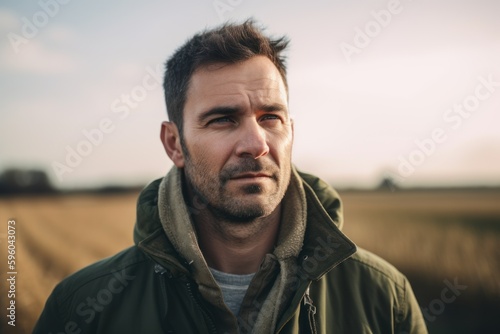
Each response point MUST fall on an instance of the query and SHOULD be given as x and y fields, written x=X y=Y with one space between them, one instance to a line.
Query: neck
x=236 y=247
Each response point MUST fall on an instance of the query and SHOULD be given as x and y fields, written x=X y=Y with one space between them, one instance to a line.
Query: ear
x=171 y=141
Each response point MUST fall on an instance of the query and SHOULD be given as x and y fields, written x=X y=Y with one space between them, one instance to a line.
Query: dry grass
x=431 y=235
x=437 y=235
x=58 y=235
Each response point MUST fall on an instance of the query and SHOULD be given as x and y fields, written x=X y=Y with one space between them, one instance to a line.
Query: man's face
x=238 y=138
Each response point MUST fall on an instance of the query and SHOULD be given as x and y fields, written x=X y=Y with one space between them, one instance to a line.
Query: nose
x=252 y=140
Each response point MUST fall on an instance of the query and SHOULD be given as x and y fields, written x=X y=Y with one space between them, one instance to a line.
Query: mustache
x=248 y=165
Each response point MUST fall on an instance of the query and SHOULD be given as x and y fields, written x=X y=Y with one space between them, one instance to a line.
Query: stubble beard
x=212 y=190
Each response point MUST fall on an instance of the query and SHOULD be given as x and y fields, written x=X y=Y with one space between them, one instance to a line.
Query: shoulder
x=94 y=291
x=379 y=285
x=373 y=291
x=112 y=272
x=375 y=268
x=369 y=276
x=372 y=283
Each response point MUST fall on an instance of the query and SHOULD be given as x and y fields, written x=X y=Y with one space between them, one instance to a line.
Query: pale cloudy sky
x=409 y=89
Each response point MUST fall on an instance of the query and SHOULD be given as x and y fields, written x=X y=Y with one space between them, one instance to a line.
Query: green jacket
x=157 y=286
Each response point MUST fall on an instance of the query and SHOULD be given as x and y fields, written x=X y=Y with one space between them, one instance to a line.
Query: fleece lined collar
x=324 y=221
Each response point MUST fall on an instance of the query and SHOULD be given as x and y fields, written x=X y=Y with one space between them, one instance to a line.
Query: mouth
x=250 y=176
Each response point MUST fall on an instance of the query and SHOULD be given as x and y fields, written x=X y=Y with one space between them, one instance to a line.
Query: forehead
x=250 y=82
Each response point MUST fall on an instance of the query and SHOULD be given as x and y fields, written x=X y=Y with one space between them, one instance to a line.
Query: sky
x=402 y=89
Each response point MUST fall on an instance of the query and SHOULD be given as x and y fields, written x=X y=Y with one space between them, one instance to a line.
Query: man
x=234 y=239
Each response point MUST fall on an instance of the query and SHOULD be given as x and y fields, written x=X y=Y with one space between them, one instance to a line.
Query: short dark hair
x=229 y=43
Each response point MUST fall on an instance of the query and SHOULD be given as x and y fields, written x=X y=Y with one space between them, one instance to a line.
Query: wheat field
x=431 y=236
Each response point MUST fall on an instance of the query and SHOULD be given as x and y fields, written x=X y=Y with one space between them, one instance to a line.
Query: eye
x=220 y=120
x=270 y=117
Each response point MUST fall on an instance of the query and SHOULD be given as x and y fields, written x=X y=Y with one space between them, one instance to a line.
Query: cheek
x=282 y=145
x=206 y=153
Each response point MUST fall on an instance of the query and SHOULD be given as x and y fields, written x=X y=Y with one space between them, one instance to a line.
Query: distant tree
x=17 y=181
x=388 y=184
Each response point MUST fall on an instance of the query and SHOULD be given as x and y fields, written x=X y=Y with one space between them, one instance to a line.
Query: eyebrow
x=273 y=107
x=225 y=111
x=222 y=111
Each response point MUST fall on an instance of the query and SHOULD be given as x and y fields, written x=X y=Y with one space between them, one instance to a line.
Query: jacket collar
x=324 y=245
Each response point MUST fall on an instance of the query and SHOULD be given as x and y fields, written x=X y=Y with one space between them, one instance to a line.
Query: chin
x=253 y=189
x=245 y=210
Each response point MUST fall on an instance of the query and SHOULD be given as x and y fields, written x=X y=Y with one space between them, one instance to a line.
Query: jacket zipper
x=311 y=311
x=164 y=293
x=213 y=329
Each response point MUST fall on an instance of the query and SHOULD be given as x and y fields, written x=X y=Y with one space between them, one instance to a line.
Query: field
x=435 y=237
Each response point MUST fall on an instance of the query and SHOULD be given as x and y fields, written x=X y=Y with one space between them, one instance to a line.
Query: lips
x=249 y=176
